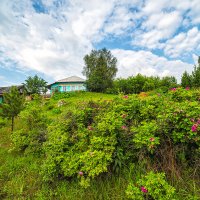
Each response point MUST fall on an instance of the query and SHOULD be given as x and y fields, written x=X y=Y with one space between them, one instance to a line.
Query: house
x=73 y=83
x=7 y=89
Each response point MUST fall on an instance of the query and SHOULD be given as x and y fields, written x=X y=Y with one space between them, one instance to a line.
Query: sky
x=50 y=37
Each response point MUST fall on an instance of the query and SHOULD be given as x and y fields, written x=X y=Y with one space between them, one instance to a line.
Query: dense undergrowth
x=98 y=146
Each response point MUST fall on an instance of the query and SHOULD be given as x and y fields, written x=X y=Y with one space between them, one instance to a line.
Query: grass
x=20 y=174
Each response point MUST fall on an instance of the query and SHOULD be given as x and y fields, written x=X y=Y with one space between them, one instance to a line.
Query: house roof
x=6 y=89
x=71 y=79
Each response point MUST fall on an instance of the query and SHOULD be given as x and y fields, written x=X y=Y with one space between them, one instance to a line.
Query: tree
x=12 y=105
x=100 y=70
x=35 y=85
x=186 y=80
x=196 y=75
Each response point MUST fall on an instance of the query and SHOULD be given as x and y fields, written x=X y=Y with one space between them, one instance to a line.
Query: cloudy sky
x=51 y=37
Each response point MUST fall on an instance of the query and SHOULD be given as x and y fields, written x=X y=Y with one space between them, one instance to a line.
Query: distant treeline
x=141 y=83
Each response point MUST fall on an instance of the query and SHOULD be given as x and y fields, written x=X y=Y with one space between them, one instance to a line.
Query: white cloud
x=54 y=42
x=183 y=43
x=160 y=27
x=147 y=63
x=46 y=43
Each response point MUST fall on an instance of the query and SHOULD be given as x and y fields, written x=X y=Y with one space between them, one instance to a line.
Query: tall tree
x=100 y=70
x=186 y=80
x=35 y=85
x=196 y=75
x=12 y=105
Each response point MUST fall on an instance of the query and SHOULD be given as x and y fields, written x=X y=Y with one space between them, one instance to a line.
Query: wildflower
x=90 y=128
x=192 y=120
x=194 y=128
x=143 y=189
x=187 y=88
x=173 y=89
x=198 y=121
x=80 y=173
x=125 y=96
x=124 y=127
x=152 y=139
x=158 y=94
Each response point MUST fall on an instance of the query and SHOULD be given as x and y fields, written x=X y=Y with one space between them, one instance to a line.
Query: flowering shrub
x=145 y=135
x=152 y=186
x=97 y=137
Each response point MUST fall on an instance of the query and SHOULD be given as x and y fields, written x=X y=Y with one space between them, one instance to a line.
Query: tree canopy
x=186 y=80
x=13 y=104
x=196 y=75
x=100 y=70
x=35 y=85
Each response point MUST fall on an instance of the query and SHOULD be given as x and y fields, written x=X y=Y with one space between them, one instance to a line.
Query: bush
x=31 y=137
x=101 y=136
x=151 y=186
x=63 y=95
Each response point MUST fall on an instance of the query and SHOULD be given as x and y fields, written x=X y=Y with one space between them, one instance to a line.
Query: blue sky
x=50 y=37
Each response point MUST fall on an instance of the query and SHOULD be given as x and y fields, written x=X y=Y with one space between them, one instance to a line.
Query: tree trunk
x=12 y=126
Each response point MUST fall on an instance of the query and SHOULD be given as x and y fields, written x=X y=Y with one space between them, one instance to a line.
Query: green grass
x=20 y=177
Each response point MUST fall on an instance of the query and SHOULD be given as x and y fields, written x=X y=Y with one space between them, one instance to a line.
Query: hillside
x=98 y=146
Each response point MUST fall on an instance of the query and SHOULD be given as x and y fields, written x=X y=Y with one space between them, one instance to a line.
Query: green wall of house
x=67 y=87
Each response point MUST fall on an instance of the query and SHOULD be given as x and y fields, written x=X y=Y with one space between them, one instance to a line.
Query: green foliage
x=100 y=69
x=186 y=80
x=35 y=85
x=140 y=83
x=196 y=75
x=151 y=186
x=98 y=142
x=74 y=146
x=13 y=104
x=33 y=133
x=145 y=135
x=63 y=95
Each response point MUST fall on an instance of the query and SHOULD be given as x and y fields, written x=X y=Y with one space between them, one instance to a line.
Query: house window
x=73 y=87
x=64 y=88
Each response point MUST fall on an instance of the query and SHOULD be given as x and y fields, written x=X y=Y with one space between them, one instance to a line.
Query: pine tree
x=196 y=75
x=12 y=105
x=186 y=80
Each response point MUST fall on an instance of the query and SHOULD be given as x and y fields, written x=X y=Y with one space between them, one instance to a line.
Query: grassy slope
x=20 y=174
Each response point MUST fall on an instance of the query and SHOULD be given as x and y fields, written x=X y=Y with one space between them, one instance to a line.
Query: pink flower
x=173 y=89
x=124 y=127
x=125 y=96
x=187 y=88
x=143 y=189
x=152 y=139
x=80 y=173
x=194 y=128
x=198 y=121
x=90 y=128
x=192 y=120
x=158 y=94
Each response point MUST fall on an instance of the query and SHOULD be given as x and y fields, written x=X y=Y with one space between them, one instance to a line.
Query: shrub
x=33 y=133
x=151 y=186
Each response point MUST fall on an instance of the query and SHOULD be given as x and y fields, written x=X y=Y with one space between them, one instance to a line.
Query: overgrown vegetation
x=100 y=146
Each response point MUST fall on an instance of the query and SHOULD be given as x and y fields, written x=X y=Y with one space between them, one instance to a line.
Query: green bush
x=33 y=133
x=151 y=186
